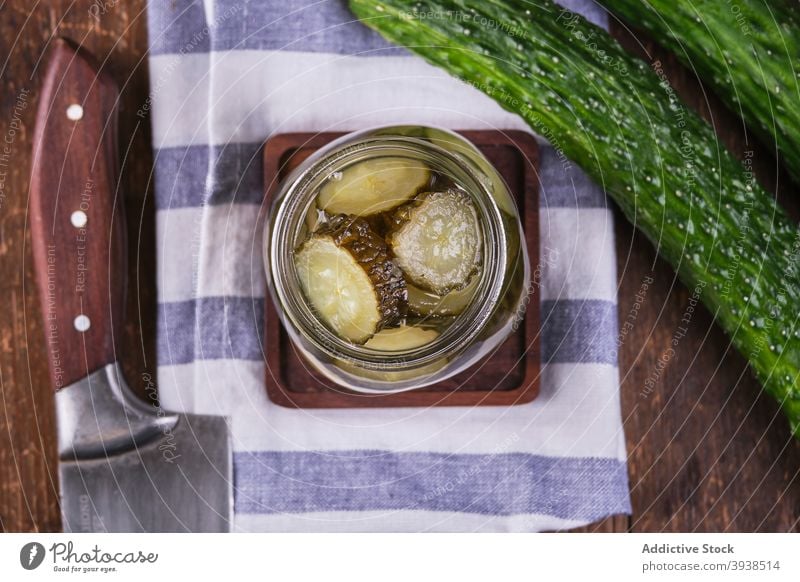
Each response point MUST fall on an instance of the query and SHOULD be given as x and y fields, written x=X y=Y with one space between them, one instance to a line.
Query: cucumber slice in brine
x=437 y=241
x=350 y=280
x=425 y=303
x=373 y=186
x=401 y=338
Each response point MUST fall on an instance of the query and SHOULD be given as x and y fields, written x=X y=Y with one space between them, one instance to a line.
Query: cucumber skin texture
x=622 y=123
x=749 y=55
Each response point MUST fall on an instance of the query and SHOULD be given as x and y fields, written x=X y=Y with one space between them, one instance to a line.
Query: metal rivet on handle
x=74 y=112
x=78 y=219
x=82 y=323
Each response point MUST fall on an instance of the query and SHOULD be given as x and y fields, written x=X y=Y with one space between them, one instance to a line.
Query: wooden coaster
x=508 y=376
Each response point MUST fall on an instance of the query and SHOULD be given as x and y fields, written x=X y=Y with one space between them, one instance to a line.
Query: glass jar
x=478 y=329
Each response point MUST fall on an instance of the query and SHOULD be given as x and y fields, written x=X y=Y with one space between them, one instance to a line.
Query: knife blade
x=124 y=465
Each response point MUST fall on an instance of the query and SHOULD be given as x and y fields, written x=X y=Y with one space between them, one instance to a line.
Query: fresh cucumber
x=748 y=51
x=605 y=110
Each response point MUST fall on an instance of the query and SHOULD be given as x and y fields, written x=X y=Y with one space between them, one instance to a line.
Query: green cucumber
x=623 y=124
x=748 y=51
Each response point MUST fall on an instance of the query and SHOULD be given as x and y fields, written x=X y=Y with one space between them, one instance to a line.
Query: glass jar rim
x=286 y=218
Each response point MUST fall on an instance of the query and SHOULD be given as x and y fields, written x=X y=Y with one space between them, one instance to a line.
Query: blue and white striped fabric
x=226 y=75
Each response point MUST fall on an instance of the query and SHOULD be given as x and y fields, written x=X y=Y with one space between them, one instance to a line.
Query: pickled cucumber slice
x=401 y=338
x=437 y=241
x=425 y=303
x=348 y=277
x=373 y=186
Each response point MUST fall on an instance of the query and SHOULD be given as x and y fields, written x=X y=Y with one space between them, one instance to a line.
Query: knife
x=124 y=465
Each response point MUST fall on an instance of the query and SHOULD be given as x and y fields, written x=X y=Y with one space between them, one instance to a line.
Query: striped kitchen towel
x=225 y=76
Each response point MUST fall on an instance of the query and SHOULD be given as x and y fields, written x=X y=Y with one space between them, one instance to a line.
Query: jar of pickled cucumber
x=394 y=257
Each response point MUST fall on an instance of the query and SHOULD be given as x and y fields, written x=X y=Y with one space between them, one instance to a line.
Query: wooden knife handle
x=76 y=213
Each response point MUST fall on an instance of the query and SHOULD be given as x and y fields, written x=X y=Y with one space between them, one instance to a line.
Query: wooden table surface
x=707 y=450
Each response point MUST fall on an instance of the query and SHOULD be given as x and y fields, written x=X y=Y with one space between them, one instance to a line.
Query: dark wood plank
x=28 y=482
x=613 y=524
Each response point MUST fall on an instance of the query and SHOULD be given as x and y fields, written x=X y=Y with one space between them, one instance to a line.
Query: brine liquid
x=426 y=309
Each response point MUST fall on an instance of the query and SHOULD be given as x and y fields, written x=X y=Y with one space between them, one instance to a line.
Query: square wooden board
x=508 y=376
